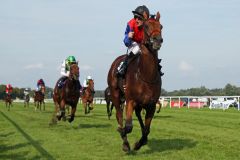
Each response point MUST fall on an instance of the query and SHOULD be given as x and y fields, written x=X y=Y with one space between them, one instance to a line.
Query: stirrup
x=124 y=87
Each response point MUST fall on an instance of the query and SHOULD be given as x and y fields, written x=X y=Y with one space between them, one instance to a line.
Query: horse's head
x=91 y=84
x=74 y=71
x=153 y=32
x=43 y=89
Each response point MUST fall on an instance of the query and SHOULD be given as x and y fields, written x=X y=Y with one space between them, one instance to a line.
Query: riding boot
x=61 y=81
x=123 y=65
x=160 y=67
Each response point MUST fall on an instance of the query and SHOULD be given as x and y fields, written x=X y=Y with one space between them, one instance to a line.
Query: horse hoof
x=64 y=119
x=58 y=118
x=137 y=146
x=126 y=147
x=70 y=120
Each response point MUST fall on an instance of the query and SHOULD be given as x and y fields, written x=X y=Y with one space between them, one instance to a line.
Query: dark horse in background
x=26 y=100
x=8 y=101
x=67 y=95
x=143 y=84
x=108 y=100
x=87 y=97
x=39 y=98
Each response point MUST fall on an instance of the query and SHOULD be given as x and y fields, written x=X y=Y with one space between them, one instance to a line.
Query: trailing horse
x=143 y=84
x=67 y=95
x=26 y=100
x=87 y=97
x=8 y=101
x=39 y=99
x=108 y=100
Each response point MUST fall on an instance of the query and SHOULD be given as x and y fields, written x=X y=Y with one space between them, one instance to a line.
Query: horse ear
x=145 y=16
x=158 y=16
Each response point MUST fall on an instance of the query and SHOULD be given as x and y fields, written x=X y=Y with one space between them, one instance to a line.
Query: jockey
x=9 y=89
x=133 y=37
x=65 y=70
x=40 y=84
x=26 y=91
x=86 y=82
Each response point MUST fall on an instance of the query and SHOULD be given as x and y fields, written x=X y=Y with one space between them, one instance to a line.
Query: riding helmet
x=138 y=12
x=89 y=77
x=71 y=59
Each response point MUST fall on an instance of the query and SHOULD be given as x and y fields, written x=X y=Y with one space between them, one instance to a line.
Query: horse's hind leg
x=150 y=110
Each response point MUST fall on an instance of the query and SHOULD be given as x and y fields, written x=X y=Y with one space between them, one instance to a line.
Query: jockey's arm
x=64 y=72
x=127 y=40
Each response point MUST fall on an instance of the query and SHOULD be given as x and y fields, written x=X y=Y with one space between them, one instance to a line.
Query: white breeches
x=134 y=48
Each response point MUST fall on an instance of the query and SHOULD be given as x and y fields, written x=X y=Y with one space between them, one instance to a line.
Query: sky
x=201 y=40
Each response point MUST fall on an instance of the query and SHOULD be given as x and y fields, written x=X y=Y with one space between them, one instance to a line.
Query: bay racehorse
x=87 y=97
x=39 y=98
x=26 y=100
x=143 y=84
x=8 y=101
x=108 y=100
x=67 y=95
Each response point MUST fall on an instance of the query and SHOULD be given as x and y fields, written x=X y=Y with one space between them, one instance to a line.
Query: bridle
x=153 y=39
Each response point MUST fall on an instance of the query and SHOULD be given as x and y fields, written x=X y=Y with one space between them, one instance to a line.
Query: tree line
x=228 y=90
x=19 y=92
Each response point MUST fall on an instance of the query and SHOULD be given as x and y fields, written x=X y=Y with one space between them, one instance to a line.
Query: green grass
x=175 y=134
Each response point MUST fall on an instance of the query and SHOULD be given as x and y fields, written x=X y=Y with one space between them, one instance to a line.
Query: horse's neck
x=148 y=63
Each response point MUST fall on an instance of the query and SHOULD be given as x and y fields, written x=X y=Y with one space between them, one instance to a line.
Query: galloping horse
x=108 y=100
x=143 y=83
x=26 y=100
x=67 y=95
x=87 y=97
x=8 y=101
x=39 y=99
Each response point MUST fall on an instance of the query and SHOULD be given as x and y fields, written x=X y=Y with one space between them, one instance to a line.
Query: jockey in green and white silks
x=26 y=91
x=65 y=70
x=65 y=67
x=86 y=83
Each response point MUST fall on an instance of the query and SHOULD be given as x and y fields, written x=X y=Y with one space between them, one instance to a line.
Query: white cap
x=89 y=77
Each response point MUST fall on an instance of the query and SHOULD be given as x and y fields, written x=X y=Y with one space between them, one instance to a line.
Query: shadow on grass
x=169 y=144
x=85 y=126
x=6 y=135
x=156 y=116
x=14 y=155
x=6 y=148
x=34 y=143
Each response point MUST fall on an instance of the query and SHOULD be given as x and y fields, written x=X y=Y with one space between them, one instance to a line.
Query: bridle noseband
x=153 y=39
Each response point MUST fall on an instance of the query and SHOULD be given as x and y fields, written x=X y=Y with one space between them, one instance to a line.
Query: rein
x=148 y=44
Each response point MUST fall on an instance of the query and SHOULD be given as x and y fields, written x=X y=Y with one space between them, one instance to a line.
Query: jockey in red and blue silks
x=133 y=36
x=40 y=84
x=9 y=89
x=138 y=33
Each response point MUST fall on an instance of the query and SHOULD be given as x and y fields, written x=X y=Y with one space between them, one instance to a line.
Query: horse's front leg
x=62 y=111
x=128 y=125
x=108 y=110
x=73 y=110
x=85 y=107
x=150 y=110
